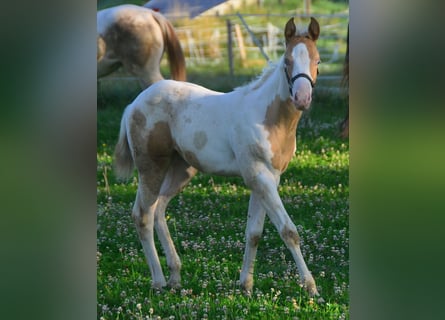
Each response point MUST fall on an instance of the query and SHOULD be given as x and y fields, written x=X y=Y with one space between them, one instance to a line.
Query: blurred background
x=233 y=40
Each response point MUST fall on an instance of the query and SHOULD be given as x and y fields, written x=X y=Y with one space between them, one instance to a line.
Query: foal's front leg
x=265 y=184
x=254 y=230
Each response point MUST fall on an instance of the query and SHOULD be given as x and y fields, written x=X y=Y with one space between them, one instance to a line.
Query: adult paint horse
x=136 y=37
x=173 y=129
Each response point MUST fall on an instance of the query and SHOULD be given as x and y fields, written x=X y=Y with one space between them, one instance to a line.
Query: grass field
x=207 y=223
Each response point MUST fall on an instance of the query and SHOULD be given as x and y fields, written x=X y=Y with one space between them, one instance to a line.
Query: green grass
x=207 y=222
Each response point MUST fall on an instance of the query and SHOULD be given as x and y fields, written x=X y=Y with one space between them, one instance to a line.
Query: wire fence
x=235 y=42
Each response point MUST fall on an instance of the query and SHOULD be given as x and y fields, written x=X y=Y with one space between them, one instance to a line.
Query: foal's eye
x=287 y=61
x=319 y=61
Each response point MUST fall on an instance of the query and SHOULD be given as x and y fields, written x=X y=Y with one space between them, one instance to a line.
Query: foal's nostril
x=303 y=101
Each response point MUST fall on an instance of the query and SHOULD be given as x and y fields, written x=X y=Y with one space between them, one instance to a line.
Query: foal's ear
x=314 y=29
x=290 y=30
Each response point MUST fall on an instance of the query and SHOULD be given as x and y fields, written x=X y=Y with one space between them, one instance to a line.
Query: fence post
x=229 y=46
x=239 y=38
x=255 y=40
x=307 y=7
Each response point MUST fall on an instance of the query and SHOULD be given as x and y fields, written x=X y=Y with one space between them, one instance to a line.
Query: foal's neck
x=272 y=83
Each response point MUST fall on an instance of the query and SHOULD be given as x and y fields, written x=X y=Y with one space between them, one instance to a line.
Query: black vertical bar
x=229 y=46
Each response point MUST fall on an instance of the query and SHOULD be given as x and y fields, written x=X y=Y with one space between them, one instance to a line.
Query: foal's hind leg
x=151 y=175
x=178 y=175
x=254 y=230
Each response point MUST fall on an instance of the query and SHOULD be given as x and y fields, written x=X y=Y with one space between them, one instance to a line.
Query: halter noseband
x=299 y=75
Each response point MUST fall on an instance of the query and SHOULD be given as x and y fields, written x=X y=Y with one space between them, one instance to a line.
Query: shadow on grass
x=115 y=92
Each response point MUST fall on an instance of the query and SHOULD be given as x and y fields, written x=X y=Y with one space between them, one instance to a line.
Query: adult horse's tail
x=175 y=55
x=123 y=160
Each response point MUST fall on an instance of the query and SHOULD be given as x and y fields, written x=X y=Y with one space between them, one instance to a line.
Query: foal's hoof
x=158 y=285
x=246 y=289
x=247 y=293
x=174 y=284
x=313 y=293
x=311 y=289
x=320 y=300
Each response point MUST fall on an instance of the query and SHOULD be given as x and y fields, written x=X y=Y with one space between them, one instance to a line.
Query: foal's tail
x=123 y=160
x=175 y=54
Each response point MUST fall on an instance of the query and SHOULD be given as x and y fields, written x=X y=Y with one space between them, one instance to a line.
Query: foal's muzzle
x=302 y=98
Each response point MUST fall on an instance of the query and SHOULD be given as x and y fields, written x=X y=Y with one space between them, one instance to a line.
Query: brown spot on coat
x=137 y=129
x=152 y=151
x=254 y=240
x=290 y=236
x=281 y=122
x=160 y=141
x=140 y=219
x=200 y=139
x=139 y=120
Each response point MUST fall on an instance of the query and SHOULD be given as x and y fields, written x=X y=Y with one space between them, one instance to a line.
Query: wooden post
x=255 y=39
x=229 y=46
x=239 y=38
x=307 y=7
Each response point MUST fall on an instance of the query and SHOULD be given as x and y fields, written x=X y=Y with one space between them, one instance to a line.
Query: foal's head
x=301 y=61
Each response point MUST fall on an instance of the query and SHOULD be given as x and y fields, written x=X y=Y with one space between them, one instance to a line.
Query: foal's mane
x=262 y=78
x=268 y=70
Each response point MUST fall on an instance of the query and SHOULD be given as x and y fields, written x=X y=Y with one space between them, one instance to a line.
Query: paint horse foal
x=173 y=129
x=135 y=37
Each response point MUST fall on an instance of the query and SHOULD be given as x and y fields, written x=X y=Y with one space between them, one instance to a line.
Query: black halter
x=300 y=75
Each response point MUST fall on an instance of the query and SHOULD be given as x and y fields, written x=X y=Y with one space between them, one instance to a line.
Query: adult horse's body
x=136 y=37
x=173 y=129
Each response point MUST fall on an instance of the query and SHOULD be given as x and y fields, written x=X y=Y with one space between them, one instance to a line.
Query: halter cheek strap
x=291 y=81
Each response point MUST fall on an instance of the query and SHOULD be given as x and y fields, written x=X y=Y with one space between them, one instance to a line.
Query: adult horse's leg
x=144 y=60
x=143 y=53
x=150 y=72
x=254 y=230
x=106 y=62
x=101 y=48
x=146 y=66
x=105 y=67
x=178 y=175
x=265 y=184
